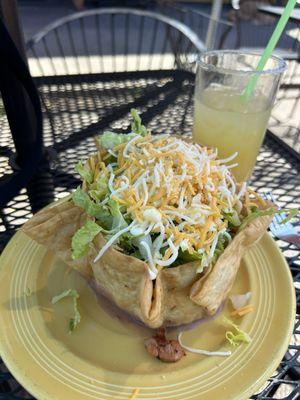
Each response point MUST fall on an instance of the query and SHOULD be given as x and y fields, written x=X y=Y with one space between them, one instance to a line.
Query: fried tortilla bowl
x=178 y=295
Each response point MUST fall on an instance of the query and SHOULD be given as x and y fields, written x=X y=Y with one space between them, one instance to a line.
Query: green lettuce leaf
x=118 y=221
x=236 y=337
x=232 y=218
x=83 y=237
x=136 y=125
x=85 y=174
x=256 y=213
x=108 y=140
x=125 y=243
x=75 y=320
x=109 y=216
x=136 y=254
x=99 y=189
x=100 y=212
x=186 y=257
x=292 y=213
x=223 y=241
x=82 y=200
x=64 y=294
x=97 y=195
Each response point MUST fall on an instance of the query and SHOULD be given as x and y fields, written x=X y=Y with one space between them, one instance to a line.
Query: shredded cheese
x=242 y=311
x=152 y=269
x=260 y=200
x=112 y=240
x=175 y=189
x=135 y=394
x=203 y=352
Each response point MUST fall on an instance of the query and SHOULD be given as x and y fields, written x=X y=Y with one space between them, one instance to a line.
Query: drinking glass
x=224 y=116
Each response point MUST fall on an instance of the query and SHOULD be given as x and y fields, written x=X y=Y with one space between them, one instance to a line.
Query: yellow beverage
x=223 y=119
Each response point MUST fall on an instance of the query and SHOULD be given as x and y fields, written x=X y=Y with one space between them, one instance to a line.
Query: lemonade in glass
x=224 y=117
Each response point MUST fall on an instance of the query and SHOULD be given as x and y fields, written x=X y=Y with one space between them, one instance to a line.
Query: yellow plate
x=105 y=357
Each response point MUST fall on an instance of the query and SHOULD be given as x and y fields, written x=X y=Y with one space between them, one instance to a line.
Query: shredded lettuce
x=64 y=294
x=137 y=254
x=292 y=213
x=118 y=221
x=137 y=241
x=108 y=140
x=28 y=292
x=233 y=218
x=99 y=189
x=131 y=245
x=136 y=125
x=83 y=237
x=85 y=174
x=256 y=213
x=223 y=241
x=100 y=212
x=109 y=219
x=97 y=195
x=125 y=243
x=236 y=337
x=75 y=320
x=186 y=257
x=82 y=200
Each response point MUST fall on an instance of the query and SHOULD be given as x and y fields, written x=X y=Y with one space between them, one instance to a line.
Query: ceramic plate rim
x=40 y=393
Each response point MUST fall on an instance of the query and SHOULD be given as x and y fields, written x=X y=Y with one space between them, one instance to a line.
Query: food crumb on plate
x=134 y=395
x=28 y=292
x=242 y=311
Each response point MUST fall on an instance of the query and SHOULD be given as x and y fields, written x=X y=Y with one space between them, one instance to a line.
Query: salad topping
x=161 y=199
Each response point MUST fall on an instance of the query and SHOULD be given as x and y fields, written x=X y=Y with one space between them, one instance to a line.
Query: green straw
x=271 y=45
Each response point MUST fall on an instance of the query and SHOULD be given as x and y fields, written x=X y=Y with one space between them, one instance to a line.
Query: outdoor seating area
x=81 y=75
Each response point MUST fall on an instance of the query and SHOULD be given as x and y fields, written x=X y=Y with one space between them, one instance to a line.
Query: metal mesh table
x=78 y=108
